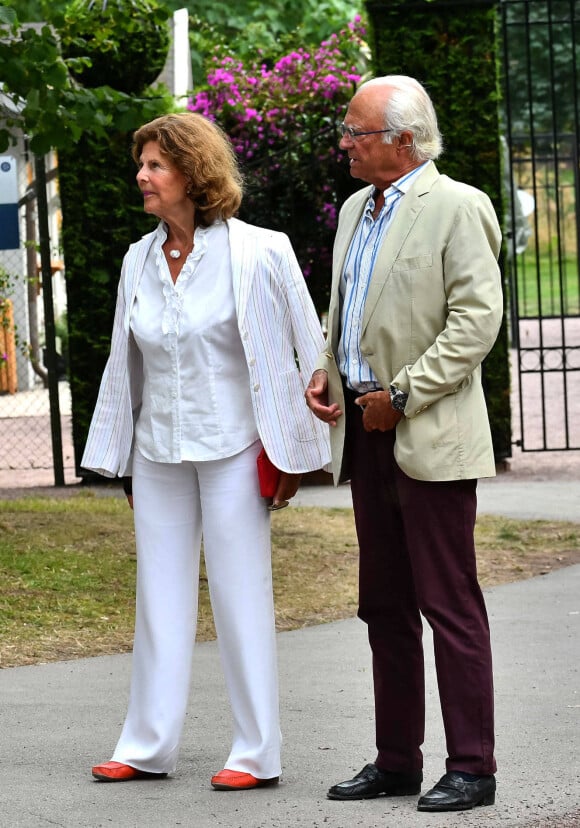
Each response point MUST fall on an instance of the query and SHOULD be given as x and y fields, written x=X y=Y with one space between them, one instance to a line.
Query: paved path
x=503 y=495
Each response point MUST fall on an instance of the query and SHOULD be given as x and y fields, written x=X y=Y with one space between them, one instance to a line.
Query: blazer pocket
x=413 y=263
x=302 y=421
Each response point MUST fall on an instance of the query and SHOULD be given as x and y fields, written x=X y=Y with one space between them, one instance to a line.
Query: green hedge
x=102 y=214
x=451 y=48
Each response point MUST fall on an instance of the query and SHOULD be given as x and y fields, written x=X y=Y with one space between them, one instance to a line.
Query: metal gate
x=541 y=50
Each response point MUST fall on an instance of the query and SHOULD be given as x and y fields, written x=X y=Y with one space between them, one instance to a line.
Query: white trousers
x=175 y=505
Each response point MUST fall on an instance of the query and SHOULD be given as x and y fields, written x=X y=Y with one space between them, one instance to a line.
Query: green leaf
x=7 y=15
x=4 y=140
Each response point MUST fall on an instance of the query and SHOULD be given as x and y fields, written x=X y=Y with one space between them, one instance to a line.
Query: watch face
x=398 y=399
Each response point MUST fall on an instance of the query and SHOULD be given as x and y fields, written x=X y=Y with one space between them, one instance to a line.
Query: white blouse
x=196 y=395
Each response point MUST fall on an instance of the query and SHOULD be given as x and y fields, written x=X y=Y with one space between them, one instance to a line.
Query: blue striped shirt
x=356 y=276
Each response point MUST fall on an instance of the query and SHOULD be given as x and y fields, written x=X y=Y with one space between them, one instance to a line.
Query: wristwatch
x=398 y=398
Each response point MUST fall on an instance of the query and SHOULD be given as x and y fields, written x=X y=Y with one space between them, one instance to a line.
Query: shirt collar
x=402 y=184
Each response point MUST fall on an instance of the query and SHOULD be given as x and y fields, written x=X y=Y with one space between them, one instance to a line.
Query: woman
x=211 y=316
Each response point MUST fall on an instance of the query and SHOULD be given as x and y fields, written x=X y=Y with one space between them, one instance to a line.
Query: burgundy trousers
x=417 y=558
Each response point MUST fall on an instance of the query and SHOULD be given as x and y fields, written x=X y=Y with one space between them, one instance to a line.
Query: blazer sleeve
x=308 y=339
x=110 y=433
x=282 y=337
x=473 y=291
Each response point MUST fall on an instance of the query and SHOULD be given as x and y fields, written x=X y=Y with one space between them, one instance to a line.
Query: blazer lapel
x=403 y=224
x=243 y=254
x=349 y=219
x=135 y=264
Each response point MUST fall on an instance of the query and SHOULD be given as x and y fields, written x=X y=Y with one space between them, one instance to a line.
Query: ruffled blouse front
x=196 y=395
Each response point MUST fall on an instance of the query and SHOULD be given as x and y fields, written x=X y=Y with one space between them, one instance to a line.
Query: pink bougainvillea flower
x=281 y=116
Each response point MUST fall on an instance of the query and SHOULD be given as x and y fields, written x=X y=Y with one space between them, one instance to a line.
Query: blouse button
x=257 y=386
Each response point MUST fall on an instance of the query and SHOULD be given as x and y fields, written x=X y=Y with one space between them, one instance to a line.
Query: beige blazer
x=281 y=337
x=433 y=311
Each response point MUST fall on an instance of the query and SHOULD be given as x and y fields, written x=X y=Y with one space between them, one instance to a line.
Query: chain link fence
x=26 y=453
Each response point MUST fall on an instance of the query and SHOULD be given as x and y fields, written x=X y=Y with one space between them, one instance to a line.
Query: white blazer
x=281 y=337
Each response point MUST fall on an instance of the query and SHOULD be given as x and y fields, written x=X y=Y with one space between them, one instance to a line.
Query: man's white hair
x=410 y=109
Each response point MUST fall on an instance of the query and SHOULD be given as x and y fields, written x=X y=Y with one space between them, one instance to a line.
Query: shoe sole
x=261 y=783
x=411 y=791
x=488 y=799
x=143 y=775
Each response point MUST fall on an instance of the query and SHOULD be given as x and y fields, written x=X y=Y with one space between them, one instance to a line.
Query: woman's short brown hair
x=202 y=151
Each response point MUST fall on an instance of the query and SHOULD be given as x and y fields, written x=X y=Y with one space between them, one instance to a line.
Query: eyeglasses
x=353 y=134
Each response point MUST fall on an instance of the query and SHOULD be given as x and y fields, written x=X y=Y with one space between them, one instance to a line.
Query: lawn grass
x=553 y=294
x=67 y=571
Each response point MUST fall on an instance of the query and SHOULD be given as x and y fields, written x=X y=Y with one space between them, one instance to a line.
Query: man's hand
x=128 y=489
x=317 y=398
x=378 y=413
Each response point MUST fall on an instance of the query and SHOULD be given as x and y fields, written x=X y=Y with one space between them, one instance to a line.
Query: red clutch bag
x=268 y=475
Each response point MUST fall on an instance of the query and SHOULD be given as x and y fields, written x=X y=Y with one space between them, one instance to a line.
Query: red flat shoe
x=118 y=772
x=229 y=780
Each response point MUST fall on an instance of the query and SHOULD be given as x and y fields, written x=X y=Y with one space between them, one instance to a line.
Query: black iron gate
x=541 y=43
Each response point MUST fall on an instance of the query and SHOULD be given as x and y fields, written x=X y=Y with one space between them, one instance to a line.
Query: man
x=416 y=304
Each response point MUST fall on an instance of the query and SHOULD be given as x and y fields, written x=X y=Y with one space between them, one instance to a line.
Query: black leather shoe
x=372 y=782
x=453 y=793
